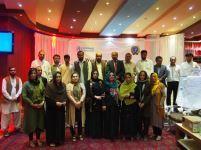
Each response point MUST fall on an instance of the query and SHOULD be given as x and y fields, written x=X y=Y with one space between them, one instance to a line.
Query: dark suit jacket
x=94 y=67
x=120 y=69
x=162 y=74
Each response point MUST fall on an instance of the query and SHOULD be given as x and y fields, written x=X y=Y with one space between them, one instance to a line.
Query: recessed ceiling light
x=157 y=8
x=128 y=16
x=181 y=24
x=101 y=14
x=19 y=4
x=114 y=30
x=71 y=27
x=20 y=15
x=74 y=20
x=78 y=11
x=49 y=10
x=174 y=18
x=154 y=31
x=192 y=32
x=190 y=8
x=163 y=26
x=167 y=34
x=194 y=17
x=48 y=19
x=120 y=24
x=107 y=3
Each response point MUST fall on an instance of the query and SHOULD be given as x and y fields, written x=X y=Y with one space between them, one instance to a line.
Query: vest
x=9 y=86
x=85 y=69
x=103 y=64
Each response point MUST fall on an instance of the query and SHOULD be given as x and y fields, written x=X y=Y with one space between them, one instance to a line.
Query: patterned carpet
x=19 y=141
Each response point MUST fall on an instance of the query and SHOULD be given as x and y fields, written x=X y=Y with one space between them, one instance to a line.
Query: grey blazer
x=162 y=73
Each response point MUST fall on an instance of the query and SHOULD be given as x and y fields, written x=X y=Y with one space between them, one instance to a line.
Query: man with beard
x=11 y=91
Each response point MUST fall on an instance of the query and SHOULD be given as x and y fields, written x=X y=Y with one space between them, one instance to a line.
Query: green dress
x=33 y=118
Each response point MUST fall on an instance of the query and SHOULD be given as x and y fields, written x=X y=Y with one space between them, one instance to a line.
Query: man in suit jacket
x=99 y=65
x=160 y=69
x=116 y=66
x=81 y=67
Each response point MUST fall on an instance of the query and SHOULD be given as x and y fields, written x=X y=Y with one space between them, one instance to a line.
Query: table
x=194 y=139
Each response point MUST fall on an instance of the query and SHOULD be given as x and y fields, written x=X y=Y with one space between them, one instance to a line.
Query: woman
x=129 y=107
x=95 y=96
x=56 y=97
x=142 y=95
x=33 y=100
x=76 y=93
x=157 y=105
x=111 y=116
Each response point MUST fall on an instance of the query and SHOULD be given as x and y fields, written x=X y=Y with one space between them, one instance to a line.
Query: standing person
x=116 y=66
x=45 y=65
x=144 y=64
x=172 y=80
x=129 y=107
x=56 y=65
x=11 y=91
x=157 y=106
x=99 y=65
x=40 y=77
x=66 y=70
x=76 y=94
x=95 y=96
x=81 y=67
x=56 y=97
x=129 y=65
x=142 y=95
x=160 y=69
x=111 y=117
x=33 y=95
x=188 y=66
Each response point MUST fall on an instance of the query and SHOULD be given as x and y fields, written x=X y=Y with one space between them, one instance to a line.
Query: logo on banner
x=89 y=49
x=135 y=50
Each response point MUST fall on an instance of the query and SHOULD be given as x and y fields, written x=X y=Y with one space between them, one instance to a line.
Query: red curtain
x=23 y=48
x=193 y=47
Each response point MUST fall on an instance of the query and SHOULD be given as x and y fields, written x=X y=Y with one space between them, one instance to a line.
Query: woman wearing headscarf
x=33 y=94
x=76 y=94
x=111 y=115
x=157 y=105
x=95 y=96
x=142 y=95
x=56 y=97
x=129 y=107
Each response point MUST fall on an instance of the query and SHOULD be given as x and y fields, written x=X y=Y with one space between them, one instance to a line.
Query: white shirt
x=11 y=105
x=173 y=73
x=187 y=68
x=146 y=65
x=46 y=68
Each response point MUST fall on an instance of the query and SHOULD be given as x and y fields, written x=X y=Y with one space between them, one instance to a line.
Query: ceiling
x=105 y=17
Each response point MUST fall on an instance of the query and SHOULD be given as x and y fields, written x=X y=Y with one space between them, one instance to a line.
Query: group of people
x=100 y=99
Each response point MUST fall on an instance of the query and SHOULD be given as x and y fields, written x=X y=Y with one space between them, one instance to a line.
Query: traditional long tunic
x=33 y=93
x=55 y=116
x=94 y=119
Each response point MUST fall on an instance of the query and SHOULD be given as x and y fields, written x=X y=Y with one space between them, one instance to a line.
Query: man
x=160 y=69
x=188 y=66
x=56 y=65
x=144 y=64
x=11 y=91
x=66 y=70
x=81 y=67
x=45 y=65
x=129 y=65
x=99 y=65
x=40 y=77
x=116 y=66
x=172 y=80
